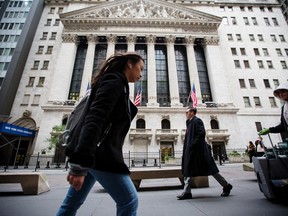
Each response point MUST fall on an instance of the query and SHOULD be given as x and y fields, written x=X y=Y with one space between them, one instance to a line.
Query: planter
x=170 y=161
x=235 y=159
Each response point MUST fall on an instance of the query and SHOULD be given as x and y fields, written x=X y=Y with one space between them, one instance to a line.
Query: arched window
x=165 y=124
x=214 y=124
x=140 y=124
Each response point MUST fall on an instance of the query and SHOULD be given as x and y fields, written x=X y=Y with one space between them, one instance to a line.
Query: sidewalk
x=245 y=198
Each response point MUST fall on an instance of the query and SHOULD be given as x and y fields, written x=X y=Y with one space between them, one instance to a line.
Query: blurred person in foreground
x=95 y=152
x=281 y=92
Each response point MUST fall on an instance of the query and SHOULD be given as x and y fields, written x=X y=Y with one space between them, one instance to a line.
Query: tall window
x=256 y=51
x=246 y=21
x=278 y=51
x=243 y=51
x=163 y=96
x=40 y=50
x=266 y=83
x=203 y=73
x=254 y=21
x=182 y=74
x=266 y=20
x=275 y=22
x=252 y=83
x=247 y=102
x=100 y=54
x=121 y=46
x=242 y=83
x=140 y=124
x=142 y=83
x=276 y=82
x=165 y=124
x=78 y=70
x=257 y=102
x=258 y=126
x=272 y=102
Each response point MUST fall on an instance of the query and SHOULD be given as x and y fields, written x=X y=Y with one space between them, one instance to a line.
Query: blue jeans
x=119 y=186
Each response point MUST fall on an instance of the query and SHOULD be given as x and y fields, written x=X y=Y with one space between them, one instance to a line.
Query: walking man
x=197 y=158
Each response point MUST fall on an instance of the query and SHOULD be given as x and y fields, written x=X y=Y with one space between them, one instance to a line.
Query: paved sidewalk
x=245 y=198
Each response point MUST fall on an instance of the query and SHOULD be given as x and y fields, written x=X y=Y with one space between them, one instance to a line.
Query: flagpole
x=188 y=97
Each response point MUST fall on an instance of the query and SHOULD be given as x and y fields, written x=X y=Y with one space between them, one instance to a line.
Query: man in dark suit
x=197 y=158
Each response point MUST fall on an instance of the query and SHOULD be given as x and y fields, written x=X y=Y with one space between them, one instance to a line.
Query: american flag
x=194 y=97
x=137 y=100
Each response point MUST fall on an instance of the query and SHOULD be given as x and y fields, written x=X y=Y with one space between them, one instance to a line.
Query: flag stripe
x=137 y=100
x=194 y=97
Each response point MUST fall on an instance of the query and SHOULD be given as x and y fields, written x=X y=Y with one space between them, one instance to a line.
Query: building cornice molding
x=140 y=14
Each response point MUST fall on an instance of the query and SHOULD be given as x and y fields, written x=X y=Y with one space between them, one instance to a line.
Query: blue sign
x=16 y=130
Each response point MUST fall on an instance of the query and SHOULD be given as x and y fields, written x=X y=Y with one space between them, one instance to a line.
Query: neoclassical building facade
x=207 y=44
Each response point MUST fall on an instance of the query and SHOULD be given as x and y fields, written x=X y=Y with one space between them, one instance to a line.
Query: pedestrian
x=197 y=158
x=281 y=92
x=98 y=155
x=260 y=151
x=251 y=151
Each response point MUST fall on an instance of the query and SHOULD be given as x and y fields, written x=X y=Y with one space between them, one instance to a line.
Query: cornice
x=139 y=13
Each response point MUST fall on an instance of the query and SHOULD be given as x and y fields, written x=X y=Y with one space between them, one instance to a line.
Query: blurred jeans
x=119 y=186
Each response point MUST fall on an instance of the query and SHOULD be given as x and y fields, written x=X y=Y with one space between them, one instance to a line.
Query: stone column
x=88 y=66
x=216 y=70
x=111 y=39
x=151 y=72
x=192 y=66
x=172 y=72
x=131 y=40
x=61 y=81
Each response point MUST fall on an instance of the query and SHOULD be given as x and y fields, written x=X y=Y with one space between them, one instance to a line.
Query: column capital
x=170 y=39
x=189 y=39
x=92 y=38
x=68 y=38
x=131 y=38
x=151 y=39
x=211 y=40
x=111 y=38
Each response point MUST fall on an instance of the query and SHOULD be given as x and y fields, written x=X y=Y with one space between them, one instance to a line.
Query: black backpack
x=73 y=120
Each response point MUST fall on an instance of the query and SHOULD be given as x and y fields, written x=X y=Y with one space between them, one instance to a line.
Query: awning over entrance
x=16 y=130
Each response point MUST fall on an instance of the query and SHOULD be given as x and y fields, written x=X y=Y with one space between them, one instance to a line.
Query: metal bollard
x=48 y=165
x=155 y=162
x=26 y=165
x=66 y=165
x=38 y=165
x=144 y=162
x=6 y=167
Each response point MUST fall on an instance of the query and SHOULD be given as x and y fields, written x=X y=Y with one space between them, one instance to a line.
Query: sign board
x=16 y=130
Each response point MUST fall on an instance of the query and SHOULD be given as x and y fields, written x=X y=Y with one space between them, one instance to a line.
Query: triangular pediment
x=140 y=12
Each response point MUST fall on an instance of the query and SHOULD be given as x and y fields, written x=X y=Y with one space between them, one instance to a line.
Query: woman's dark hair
x=116 y=63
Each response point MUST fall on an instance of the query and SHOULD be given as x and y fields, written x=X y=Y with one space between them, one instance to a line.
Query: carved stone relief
x=140 y=9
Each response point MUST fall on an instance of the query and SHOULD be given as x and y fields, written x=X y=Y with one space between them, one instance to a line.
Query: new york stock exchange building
x=205 y=47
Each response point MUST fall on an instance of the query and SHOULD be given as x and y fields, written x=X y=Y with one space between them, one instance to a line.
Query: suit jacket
x=109 y=104
x=197 y=160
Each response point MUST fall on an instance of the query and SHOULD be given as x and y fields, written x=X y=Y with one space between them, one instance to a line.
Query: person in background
x=97 y=157
x=259 y=147
x=197 y=158
x=251 y=151
x=281 y=92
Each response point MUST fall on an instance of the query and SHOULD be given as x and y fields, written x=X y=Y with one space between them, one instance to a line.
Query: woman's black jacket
x=110 y=104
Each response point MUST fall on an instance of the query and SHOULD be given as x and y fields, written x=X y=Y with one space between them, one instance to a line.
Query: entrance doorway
x=167 y=149
x=218 y=149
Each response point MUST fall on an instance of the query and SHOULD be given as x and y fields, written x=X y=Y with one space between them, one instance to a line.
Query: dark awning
x=16 y=130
